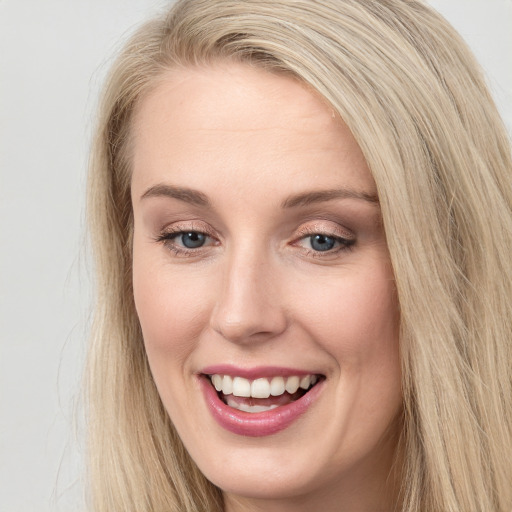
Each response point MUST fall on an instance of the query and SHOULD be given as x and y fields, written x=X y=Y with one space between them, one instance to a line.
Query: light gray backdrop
x=53 y=57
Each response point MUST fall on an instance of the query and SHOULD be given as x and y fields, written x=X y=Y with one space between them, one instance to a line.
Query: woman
x=301 y=213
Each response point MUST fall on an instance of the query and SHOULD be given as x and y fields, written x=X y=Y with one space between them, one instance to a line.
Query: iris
x=193 y=239
x=322 y=242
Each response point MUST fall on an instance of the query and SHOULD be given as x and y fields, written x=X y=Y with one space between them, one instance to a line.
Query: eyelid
x=320 y=228
x=187 y=226
x=345 y=239
x=168 y=235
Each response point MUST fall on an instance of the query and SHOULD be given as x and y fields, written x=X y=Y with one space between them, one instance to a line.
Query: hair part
x=416 y=102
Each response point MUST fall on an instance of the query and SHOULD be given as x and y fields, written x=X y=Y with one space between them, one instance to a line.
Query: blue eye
x=192 y=239
x=322 y=242
x=186 y=242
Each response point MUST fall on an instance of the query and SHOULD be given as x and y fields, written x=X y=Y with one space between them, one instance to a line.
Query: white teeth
x=227 y=385
x=260 y=388
x=277 y=386
x=263 y=387
x=305 y=382
x=256 y=408
x=217 y=382
x=292 y=384
x=249 y=408
x=241 y=387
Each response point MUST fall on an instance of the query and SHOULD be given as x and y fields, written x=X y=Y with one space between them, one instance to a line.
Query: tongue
x=283 y=399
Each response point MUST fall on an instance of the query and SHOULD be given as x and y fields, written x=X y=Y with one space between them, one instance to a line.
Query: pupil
x=192 y=240
x=322 y=242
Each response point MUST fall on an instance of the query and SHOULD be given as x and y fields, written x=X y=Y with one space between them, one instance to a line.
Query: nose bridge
x=248 y=305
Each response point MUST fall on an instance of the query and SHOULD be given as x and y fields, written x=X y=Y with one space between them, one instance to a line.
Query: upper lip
x=256 y=371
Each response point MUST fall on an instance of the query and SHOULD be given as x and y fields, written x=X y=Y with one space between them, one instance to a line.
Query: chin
x=262 y=483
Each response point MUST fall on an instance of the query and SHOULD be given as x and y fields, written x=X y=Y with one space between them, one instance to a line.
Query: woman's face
x=264 y=289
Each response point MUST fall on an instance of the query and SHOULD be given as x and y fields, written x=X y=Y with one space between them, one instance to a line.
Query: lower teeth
x=249 y=408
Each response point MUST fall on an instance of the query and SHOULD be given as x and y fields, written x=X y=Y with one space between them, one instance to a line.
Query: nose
x=248 y=307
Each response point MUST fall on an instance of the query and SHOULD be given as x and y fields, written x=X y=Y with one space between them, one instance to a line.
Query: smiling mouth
x=263 y=394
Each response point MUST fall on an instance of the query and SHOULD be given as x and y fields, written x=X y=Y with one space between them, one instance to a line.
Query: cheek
x=172 y=312
x=355 y=318
x=357 y=323
x=172 y=309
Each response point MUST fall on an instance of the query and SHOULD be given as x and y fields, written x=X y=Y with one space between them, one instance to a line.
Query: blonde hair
x=415 y=100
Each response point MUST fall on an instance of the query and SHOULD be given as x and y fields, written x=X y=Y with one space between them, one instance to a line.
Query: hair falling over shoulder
x=416 y=101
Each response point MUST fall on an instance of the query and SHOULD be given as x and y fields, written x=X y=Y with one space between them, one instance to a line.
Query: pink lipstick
x=258 y=401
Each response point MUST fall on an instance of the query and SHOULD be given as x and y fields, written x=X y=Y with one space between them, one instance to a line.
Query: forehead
x=251 y=94
x=246 y=117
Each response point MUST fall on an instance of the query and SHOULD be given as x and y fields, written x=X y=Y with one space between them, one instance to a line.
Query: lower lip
x=256 y=424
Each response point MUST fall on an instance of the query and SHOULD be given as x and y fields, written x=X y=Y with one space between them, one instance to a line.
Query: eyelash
x=167 y=239
x=345 y=244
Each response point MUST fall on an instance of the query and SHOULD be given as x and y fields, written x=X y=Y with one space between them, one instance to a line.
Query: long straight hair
x=415 y=100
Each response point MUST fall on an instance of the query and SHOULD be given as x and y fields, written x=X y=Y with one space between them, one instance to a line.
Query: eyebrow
x=320 y=196
x=181 y=193
x=197 y=198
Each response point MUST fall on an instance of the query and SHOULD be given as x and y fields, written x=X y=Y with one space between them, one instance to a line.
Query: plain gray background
x=53 y=57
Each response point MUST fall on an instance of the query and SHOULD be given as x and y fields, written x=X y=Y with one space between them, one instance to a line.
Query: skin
x=257 y=293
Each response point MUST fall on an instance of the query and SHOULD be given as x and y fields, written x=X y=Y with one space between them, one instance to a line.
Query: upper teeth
x=261 y=388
